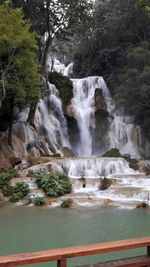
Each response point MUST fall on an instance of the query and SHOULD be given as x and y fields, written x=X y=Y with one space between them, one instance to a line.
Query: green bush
x=6 y=177
x=20 y=191
x=53 y=184
x=67 y=203
x=39 y=201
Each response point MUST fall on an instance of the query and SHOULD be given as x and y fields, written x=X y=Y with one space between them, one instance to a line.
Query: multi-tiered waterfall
x=92 y=109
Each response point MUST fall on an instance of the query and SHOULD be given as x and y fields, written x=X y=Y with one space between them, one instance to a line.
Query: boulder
x=37 y=160
x=15 y=161
x=5 y=164
x=114 y=153
x=105 y=183
x=67 y=152
x=142 y=205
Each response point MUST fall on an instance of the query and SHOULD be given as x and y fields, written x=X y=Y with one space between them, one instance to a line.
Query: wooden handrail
x=62 y=254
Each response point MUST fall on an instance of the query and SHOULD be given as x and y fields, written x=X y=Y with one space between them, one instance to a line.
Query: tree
x=134 y=90
x=53 y=19
x=19 y=80
x=117 y=26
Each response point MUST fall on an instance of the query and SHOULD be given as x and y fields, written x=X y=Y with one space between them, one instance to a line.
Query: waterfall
x=95 y=167
x=55 y=65
x=121 y=134
x=83 y=104
x=51 y=116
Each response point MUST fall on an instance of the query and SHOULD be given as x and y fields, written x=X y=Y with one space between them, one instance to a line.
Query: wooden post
x=148 y=251
x=62 y=263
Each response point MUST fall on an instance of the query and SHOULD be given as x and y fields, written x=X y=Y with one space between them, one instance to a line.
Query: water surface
x=24 y=229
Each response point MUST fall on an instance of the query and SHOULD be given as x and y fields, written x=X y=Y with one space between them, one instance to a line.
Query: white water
x=122 y=133
x=55 y=65
x=84 y=108
x=52 y=117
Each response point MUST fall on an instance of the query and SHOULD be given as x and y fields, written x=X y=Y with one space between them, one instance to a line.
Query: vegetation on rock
x=6 y=177
x=53 y=184
x=19 y=191
x=64 y=86
x=39 y=201
x=113 y=153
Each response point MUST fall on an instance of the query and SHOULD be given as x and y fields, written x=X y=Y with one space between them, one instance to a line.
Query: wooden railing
x=61 y=255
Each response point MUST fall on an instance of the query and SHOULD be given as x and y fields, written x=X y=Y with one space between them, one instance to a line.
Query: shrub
x=67 y=203
x=20 y=191
x=53 y=184
x=39 y=201
x=6 y=177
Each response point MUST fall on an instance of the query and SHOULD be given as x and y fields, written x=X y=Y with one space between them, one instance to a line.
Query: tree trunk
x=11 y=124
x=31 y=115
x=45 y=53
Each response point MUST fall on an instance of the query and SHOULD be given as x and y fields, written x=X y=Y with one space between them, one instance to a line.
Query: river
x=24 y=229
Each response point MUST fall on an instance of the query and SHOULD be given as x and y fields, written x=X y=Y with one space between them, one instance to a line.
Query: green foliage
x=64 y=86
x=67 y=203
x=53 y=184
x=19 y=81
x=116 y=27
x=20 y=191
x=6 y=177
x=134 y=90
x=39 y=201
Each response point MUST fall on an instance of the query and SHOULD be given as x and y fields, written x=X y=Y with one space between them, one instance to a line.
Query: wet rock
x=67 y=203
x=114 y=153
x=70 y=112
x=133 y=163
x=38 y=160
x=67 y=152
x=5 y=164
x=142 y=205
x=15 y=161
x=145 y=167
x=100 y=103
x=105 y=183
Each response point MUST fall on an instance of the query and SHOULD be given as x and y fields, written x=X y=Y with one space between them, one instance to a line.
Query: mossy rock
x=64 y=85
x=113 y=153
x=67 y=203
x=143 y=205
x=105 y=183
x=133 y=163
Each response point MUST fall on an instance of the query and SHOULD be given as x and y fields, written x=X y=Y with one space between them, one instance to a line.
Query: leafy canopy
x=19 y=70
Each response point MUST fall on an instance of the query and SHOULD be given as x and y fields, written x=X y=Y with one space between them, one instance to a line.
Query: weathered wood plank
x=139 y=261
x=64 y=253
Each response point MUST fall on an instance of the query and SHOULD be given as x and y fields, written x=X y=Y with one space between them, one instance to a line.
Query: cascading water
x=51 y=114
x=121 y=133
x=83 y=104
x=128 y=185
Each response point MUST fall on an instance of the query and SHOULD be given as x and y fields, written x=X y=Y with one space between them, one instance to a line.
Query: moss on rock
x=114 y=152
x=105 y=183
x=64 y=86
